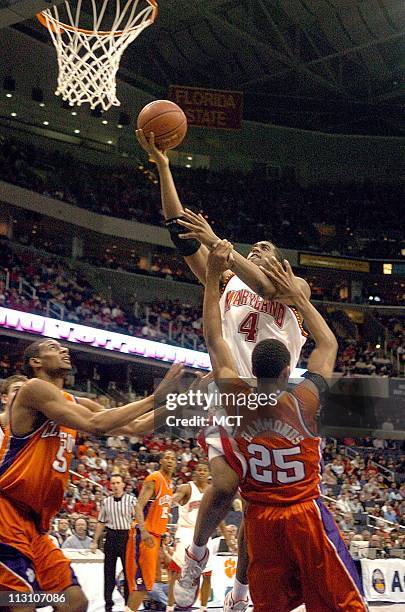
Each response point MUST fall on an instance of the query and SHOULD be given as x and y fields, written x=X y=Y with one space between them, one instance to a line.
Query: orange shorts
x=296 y=555
x=141 y=561
x=29 y=560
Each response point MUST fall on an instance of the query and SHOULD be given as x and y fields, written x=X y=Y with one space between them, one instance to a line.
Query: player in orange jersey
x=35 y=454
x=9 y=388
x=151 y=518
x=296 y=553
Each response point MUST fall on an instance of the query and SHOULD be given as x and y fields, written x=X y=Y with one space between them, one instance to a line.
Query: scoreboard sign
x=210 y=108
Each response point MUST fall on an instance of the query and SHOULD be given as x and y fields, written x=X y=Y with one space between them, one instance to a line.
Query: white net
x=88 y=59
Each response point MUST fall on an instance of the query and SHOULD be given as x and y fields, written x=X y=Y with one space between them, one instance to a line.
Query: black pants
x=114 y=548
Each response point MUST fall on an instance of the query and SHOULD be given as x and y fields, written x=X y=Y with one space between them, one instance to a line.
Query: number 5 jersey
x=34 y=469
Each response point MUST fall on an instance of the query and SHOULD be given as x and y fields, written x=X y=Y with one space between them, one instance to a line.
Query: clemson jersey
x=279 y=452
x=247 y=319
x=34 y=469
x=156 y=511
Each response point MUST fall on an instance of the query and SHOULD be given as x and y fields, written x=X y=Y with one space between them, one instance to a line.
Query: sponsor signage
x=212 y=108
x=333 y=263
x=100 y=338
x=384 y=580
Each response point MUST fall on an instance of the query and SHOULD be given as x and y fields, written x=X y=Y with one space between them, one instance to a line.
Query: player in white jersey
x=194 y=238
x=189 y=497
x=255 y=319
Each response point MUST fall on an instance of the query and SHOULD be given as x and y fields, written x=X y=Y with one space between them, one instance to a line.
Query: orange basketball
x=166 y=120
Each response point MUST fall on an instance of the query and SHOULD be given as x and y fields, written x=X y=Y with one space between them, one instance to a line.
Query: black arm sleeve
x=185 y=247
x=319 y=382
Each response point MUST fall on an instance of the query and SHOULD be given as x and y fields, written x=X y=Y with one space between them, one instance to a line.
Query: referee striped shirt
x=117 y=512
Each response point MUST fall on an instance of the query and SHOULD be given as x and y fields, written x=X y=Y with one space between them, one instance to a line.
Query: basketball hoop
x=88 y=60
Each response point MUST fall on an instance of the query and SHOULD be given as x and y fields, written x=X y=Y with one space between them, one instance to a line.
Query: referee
x=116 y=515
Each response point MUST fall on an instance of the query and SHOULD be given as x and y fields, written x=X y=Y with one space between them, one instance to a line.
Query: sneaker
x=232 y=606
x=188 y=585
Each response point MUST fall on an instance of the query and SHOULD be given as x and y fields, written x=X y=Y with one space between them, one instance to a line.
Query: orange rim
x=53 y=24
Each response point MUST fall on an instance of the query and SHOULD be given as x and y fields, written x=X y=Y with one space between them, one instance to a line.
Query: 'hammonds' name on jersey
x=277 y=426
x=244 y=297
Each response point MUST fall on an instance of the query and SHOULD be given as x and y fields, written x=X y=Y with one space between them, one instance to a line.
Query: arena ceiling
x=329 y=65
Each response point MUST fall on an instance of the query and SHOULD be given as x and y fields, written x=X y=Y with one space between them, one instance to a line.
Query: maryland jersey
x=189 y=511
x=278 y=451
x=156 y=511
x=34 y=469
x=247 y=319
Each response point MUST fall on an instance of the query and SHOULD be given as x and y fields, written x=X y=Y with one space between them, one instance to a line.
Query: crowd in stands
x=244 y=208
x=61 y=291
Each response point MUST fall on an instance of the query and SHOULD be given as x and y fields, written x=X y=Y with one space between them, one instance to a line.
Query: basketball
x=166 y=120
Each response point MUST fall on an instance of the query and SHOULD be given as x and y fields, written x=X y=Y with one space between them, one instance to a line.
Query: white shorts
x=183 y=538
x=216 y=442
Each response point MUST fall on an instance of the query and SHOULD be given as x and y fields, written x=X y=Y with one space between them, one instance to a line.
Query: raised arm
x=194 y=254
x=222 y=362
x=152 y=417
x=198 y=228
x=44 y=397
x=323 y=357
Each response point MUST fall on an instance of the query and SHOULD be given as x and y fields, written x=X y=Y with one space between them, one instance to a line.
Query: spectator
x=62 y=531
x=85 y=505
x=80 y=539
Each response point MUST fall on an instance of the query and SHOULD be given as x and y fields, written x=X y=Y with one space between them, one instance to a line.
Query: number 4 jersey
x=34 y=469
x=247 y=319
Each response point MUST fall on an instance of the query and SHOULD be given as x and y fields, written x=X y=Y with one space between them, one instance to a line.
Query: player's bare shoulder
x=25 y=408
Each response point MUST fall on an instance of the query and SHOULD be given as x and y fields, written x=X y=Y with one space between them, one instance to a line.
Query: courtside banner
x=384 y=580
x=212 y=108
x=333 y=263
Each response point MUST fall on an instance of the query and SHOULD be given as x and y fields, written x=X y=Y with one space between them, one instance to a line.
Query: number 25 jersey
x=34 y=469
x=279 y=449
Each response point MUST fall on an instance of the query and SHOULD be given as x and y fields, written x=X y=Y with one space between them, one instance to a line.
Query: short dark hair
x=277 y=253
x=31 y=351
x=5 y=387
x=269 y=358
x=116 y=476
x=163 y=453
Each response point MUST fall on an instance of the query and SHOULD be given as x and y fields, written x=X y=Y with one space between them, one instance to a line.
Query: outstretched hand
x=201 y=382
x=169 y=384
x=220 y=258
x=155 y=155
x=198 y=228
x=289 y=286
